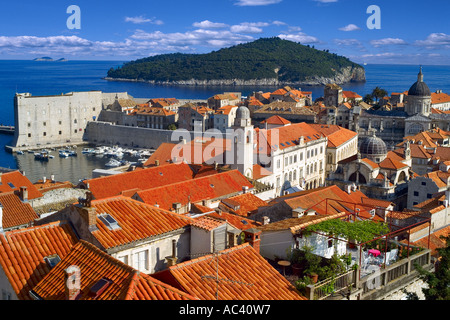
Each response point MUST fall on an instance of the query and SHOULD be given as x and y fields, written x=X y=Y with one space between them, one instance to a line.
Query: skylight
x=109 y=221
x=52 y=260
x=11 y=185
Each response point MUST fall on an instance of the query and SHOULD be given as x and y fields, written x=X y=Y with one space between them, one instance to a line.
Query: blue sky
x=412 y=31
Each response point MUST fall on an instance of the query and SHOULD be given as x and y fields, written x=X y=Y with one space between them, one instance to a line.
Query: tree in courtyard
x=379 y=93
x=368 y=98
x=439 y=280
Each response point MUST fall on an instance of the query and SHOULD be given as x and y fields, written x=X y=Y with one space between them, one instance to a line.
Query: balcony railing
x=384 y=278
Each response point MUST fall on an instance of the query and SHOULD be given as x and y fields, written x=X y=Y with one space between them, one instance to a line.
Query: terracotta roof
x=260 y=172
x=205 y=188
x=16 y=212
x=156 y=111
x=435 y=242
x=254 y=278
x=22 y=253
x=207 y=223
x=243 y=205
x=287 y=136
x=109 y=186
x=225 y=110
x=276 y=120
x=336 y=135
x=198 y=151
x=95 y=265
x=279 y=92
x=392 y=164
x=370 y=163
x=229 y=96
x=282 y=107
x=350 y=95
x=12 y=181
x=439 y=98
x=136 y=221
x=49 y=185
x=439 y=177
x=236 y=221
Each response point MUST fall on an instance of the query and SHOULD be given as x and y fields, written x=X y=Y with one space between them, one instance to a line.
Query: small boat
x=41 y=156
x=19 y=152
x=63 y=154
x=113 y=163
x=87 y=150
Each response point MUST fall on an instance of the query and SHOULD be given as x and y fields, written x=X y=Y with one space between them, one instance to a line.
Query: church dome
x=419 y=88
x=373 y=148
x=243 y=113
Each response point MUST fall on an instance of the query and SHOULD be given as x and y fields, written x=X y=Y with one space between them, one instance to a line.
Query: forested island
x=266 y=61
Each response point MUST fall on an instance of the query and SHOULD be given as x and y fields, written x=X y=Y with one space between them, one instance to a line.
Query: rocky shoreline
x=346 y=75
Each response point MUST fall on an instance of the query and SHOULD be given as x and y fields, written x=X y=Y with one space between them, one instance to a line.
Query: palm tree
x=378 y=93
x=368 y=98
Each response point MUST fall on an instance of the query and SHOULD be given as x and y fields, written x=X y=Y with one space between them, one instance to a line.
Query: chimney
x=23 y=194
x=157 y=163
x=87 y=212
x=253 y=237
x=266 y=220
x=244 y=189
x=52 y=177
x=72 y=277
x=44 y=179
x=172 y=260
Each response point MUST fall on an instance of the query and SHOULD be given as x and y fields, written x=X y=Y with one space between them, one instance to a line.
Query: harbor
x=75 y=163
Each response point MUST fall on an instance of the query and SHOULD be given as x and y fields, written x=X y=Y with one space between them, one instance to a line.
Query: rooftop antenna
x=216 y=277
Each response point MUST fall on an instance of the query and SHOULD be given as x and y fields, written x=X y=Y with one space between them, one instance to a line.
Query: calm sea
x=49 y=78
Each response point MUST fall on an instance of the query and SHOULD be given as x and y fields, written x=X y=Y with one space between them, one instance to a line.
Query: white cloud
x=256 y=2
x=279 y=23
x=142 y=19
x=245 y=29
x=387 y=41
x=299 y=37
x=347 y=42
x=350 y=27
x=435 y=40
x=206 y=24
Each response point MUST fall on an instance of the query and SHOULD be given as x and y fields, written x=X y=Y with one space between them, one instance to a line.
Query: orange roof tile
x=439 y=98
x=12 y=181
x=136 y=220
x=109 y=186
x=225 y=110
x=236 y=221
x=16 y=212
x=207 y=223
x=370 y=163
x=350 y=95
x=276 y=120
x=22 y=253
x=392 y=164
x=254 y=278
x=336 y=135
x=243 y=205
x=95 y=265
x=260 y=172
x=205 y=188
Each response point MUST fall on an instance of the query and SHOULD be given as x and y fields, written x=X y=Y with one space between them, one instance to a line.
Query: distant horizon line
x=128 y=60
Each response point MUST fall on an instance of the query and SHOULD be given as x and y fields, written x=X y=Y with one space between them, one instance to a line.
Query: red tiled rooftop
x=94 y=265
x=109 y=186
x=22 y=253
x=236 y=221
x=136 y=220
x=336 y=135
x=276 y=120
x=254 y=278
x=12 y=181
x=16 y=212
x=243 y=205
x=205 y=188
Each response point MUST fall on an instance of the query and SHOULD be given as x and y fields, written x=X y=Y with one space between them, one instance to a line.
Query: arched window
x=295 y=175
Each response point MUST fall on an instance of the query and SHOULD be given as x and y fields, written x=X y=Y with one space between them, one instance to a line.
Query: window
x=60 y=132
x=278 y=164
x=109 y=222
x=124 y=259
x=301 y=156
x=416 y=193
x=424 y=183
x=75 y=131
x=141 y=260
x=330 y=243
x=6 y=295
x=60 y=122
x=295 y=158
x=29 y=135
x=429 y=195
x=29 y=124
x=286 y=161
x=45 y=124
x=45 y=133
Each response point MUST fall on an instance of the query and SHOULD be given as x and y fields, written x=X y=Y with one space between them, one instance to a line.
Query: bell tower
x=243 y=139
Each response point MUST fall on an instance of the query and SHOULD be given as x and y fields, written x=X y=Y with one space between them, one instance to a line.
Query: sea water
x=50 y=78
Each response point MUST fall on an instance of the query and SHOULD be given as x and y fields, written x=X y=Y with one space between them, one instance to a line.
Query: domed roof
x=419 y=88
x=373 y=146
x=243 y=113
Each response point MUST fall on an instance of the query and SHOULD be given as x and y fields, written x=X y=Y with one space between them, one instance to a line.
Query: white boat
x=87 y=150
x=19 y=152
x=112 y=163
x=63 y=154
